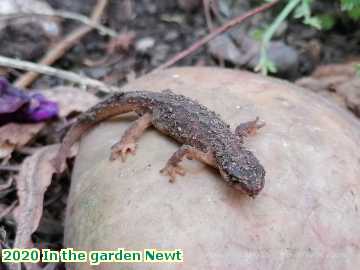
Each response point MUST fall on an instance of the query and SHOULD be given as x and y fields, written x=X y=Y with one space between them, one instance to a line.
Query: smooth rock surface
x=306 y=217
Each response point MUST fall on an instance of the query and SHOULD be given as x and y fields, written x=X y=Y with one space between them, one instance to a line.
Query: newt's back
x=186 y=120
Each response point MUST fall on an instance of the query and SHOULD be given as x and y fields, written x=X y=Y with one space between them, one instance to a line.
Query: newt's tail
x=70 y=139
x=113 y=105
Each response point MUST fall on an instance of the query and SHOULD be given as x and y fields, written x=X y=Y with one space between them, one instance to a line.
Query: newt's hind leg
x=127 y=143
x=173 y=168
x=248 y=128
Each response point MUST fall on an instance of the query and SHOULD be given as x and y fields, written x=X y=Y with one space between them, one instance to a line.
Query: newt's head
x=244 y=172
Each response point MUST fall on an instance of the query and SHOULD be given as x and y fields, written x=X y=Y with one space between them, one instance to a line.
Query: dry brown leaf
x=337 y=82
x=34 y=178
x=350 y=92
x=16 y=135
x=70 y=99
x=328 y=77
x=347 y=70
x=32 y=182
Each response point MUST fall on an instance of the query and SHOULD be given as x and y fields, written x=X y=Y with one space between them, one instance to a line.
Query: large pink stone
x=306 y=217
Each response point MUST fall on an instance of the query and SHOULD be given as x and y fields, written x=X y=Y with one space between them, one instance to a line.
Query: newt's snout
x=245 y=174
x=253 y=189
x=251 y=182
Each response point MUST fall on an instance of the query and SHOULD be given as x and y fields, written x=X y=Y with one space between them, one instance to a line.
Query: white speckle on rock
x=285 y=143
x=144 y=44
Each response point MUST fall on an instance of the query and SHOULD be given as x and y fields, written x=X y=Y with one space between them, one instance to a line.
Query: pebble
x=144 y=44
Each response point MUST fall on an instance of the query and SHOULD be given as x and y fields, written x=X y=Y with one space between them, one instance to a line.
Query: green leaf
x=354 y=13
x=327 y=21
x=357 y=66
x=349 y=4
x=304 y=11
x=313 y=21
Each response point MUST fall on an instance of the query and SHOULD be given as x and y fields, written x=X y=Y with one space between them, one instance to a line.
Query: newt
x=201 y=132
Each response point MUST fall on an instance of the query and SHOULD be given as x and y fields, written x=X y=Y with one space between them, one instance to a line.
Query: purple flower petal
x=11 y=99
x=41 y=109
x=19 y=106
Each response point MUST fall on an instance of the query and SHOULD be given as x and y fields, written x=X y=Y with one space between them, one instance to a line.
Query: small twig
x=59 y=50
x=198 y=44
x=66 y=15
x=206 y=5
x=8 y=209
x=7 y=184
x=66 y=75
x=9 y=168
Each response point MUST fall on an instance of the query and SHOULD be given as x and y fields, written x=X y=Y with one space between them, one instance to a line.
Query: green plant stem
x=291 y=5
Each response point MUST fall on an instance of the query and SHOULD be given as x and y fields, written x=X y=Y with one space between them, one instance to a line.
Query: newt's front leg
x=173 y=168
x=248 y=128
x=127 y=143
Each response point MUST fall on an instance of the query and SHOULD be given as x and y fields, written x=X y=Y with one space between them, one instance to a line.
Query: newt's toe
x=172 y=171
x=122 y=150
